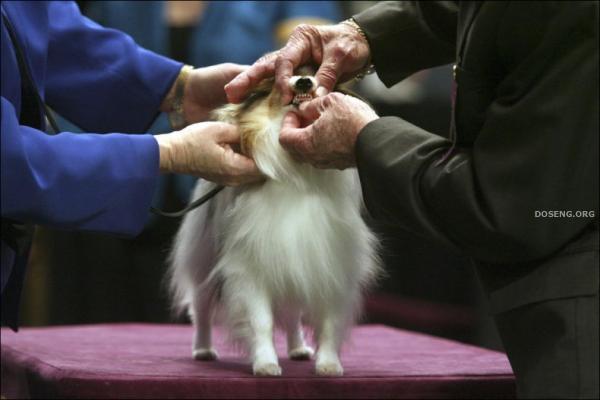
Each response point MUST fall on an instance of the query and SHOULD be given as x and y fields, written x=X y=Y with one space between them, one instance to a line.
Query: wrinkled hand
x=207 y=150
x=339 y=50
x=330 y=140
x=204 y=92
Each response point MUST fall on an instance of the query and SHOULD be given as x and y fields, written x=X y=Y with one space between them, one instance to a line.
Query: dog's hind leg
x=297 y=348
x=201 y=313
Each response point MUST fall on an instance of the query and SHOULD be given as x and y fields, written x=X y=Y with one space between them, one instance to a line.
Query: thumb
x=242 y=163
x=311 y=110
x=230 y=70
x=292 y=137
x=289 y=126
x=228 y=133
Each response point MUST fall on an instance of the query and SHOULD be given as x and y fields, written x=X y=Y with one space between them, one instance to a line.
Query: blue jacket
x=102 y=81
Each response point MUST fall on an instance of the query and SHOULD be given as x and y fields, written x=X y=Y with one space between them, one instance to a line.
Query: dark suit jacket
x=524 y=139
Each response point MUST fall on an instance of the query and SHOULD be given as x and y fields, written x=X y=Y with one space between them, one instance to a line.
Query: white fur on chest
x=299 y=245
x=299 y=235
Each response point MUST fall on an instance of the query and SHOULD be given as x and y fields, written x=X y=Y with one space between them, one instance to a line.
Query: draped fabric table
x=154 y=361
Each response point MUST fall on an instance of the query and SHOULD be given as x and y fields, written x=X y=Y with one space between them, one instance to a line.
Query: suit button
x=454 y=72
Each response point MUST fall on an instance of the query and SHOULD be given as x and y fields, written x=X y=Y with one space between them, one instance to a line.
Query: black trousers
x=553 y=347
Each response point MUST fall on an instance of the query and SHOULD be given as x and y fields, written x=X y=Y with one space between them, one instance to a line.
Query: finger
x=296 y=140
x=311 y=110
x=242 y=165
x=334 y=60
x=290 y=122
x=231 y=70
x=327 y=76
x=284 y=71
x=289 y=128
x=239 y=169
x=237 y=89
x=300 y=47
x=227 y=133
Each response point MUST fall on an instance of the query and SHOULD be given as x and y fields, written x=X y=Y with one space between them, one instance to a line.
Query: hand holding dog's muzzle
x=340 y=51
x=323 y=131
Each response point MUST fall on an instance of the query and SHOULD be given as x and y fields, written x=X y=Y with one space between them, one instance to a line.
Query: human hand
x=340 y=51
x=207 y=150
x=330 y=139
x=204 y=92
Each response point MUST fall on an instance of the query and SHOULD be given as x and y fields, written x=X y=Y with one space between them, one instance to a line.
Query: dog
x=293 y=249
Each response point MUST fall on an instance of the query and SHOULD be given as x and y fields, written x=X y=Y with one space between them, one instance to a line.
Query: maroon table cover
x=154 y=361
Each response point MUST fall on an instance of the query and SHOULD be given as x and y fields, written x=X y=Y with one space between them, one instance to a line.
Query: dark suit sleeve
x=405 y=37
x=537 y=150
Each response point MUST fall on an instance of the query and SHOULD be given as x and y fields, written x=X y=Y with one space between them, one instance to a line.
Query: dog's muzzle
x=304 y=88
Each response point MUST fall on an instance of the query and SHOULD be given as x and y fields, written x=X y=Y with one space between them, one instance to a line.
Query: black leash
x=195 y=204
x=32 y=104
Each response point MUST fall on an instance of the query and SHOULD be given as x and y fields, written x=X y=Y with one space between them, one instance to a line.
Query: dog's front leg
x=201 y=315
x=260 y=317
x=330 y=331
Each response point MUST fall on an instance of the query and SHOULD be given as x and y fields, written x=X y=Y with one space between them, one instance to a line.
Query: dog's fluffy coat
x=293 y=248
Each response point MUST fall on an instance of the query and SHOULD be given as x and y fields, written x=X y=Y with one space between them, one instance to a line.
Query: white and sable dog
x=289 y=250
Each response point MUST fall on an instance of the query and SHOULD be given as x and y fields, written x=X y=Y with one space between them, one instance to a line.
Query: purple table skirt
x=154 y=361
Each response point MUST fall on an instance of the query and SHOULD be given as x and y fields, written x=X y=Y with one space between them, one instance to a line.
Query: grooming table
x=154 y=361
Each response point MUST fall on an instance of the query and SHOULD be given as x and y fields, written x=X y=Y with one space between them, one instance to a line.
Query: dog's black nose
x=303 y=85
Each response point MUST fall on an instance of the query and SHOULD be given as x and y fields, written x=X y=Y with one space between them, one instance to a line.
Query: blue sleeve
x=99 y=78
x=316 y=9
x=91 y=182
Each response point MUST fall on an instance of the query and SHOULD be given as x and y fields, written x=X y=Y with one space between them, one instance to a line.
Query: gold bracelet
x=176 y=117
x=369 y=68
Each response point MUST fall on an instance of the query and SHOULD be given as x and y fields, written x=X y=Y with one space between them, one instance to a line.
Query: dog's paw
x=301 y=353
x=204 y=354
x=329 y=369
x=266 y=369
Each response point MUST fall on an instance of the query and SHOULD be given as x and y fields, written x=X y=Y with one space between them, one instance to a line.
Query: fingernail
x=321 y=91
x=231 y=83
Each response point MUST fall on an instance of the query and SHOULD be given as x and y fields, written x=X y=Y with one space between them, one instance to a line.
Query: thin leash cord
x=195 y=204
